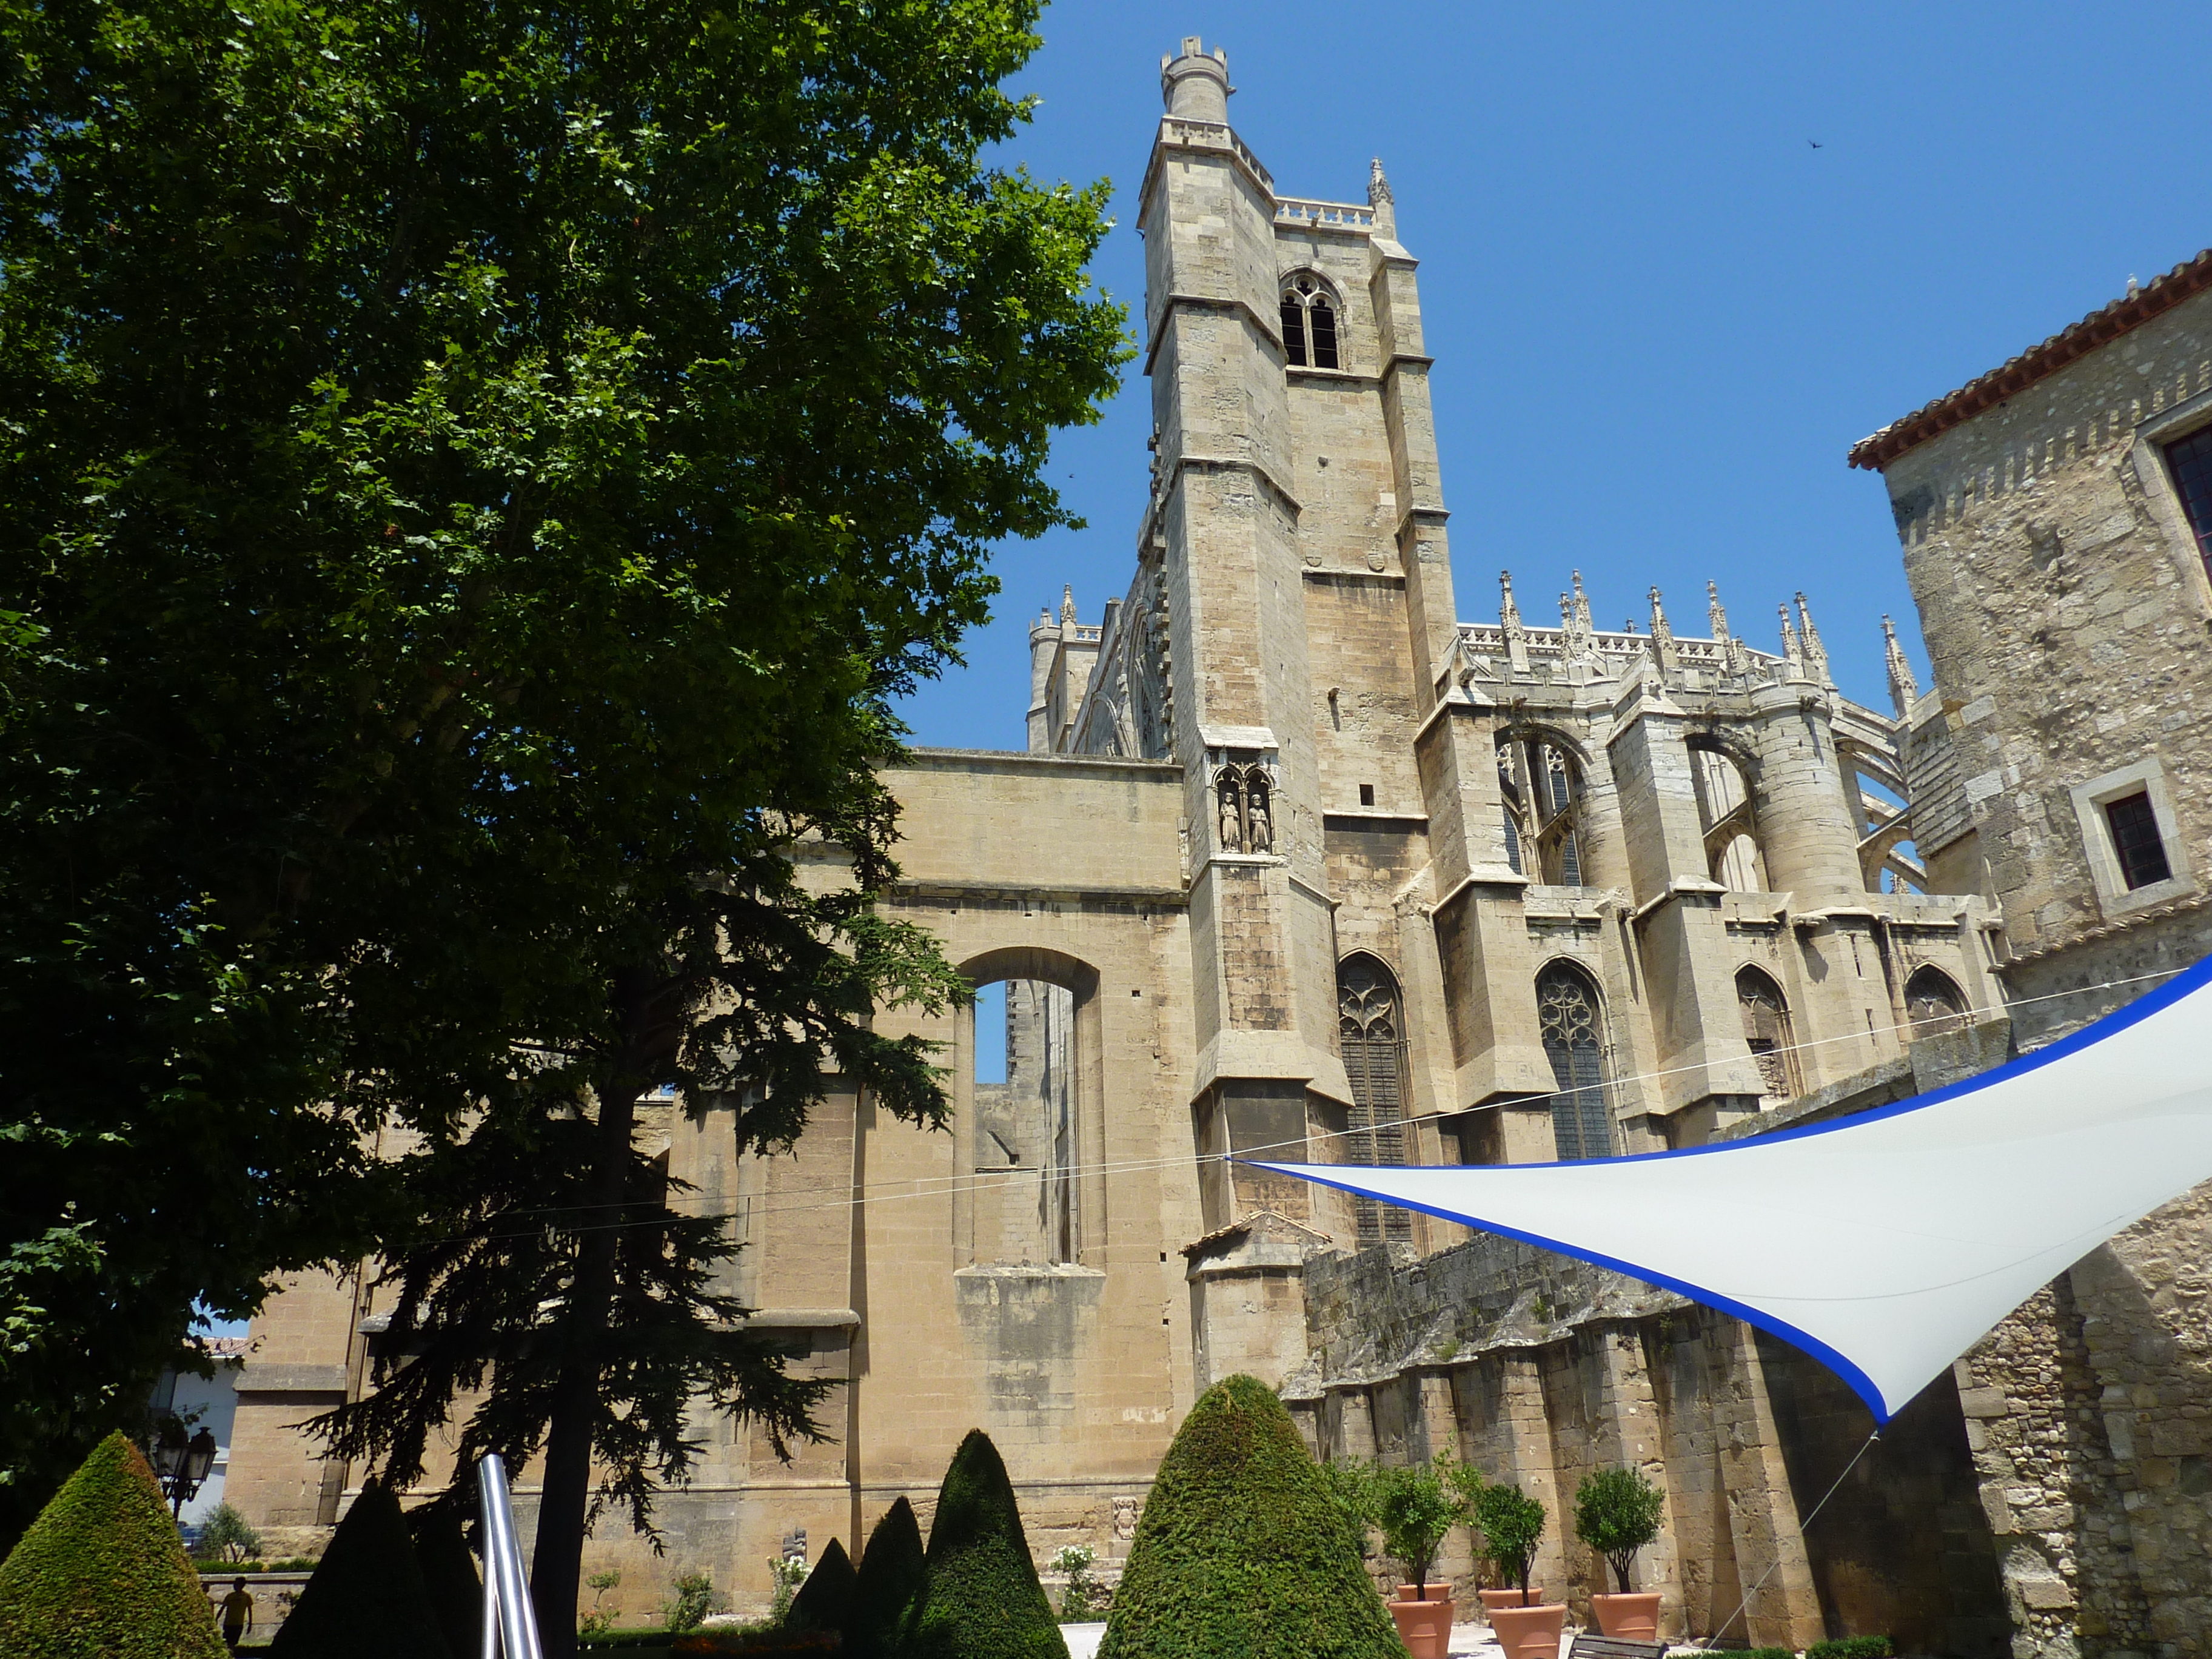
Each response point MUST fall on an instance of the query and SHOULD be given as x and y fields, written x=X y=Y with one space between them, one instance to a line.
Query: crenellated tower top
x=1194 y=85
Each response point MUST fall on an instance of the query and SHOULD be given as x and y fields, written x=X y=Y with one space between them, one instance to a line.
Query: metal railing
x=510 y=1627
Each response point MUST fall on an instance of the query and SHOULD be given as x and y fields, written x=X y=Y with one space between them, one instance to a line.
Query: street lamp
x=182 y=1464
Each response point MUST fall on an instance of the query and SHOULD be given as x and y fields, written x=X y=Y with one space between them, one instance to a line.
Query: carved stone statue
x=1260 y=825
x=1232 y=816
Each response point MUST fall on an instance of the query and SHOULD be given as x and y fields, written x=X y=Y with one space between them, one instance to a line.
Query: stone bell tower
x=1223 y=531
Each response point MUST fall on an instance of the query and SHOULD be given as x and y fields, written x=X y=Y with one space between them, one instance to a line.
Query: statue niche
x=1244 y=813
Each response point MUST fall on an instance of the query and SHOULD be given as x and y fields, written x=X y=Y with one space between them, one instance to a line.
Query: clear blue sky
x=1659 y=317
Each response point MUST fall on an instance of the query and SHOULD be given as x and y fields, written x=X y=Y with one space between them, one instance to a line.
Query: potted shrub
x=1617 y=1513
x=1417 y=1507
x=1512 y=1524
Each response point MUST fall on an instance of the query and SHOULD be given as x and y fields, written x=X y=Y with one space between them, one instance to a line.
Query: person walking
x=237 y=1614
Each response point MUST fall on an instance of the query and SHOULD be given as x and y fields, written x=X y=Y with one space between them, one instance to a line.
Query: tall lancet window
x=1569 y=1018
x=1370 y=1029
x=1308 y=324
x=1541 y=788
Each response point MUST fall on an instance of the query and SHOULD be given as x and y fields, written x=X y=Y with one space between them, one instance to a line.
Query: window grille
x=2191 y=458
x=1308 y=324
x=1371 y=1032
x=2136 y=840
x=1567 y=1016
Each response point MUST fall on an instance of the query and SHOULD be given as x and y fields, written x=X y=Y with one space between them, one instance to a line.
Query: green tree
x=484 y=473
x=227 y=1536
x=1244 y=1548
x=101 y=1574
x=980 y=1598
x=1617 y=1513
x=1417 y=1505
x=1512 y=1525
x=368 y=1596
x=693 y=1600
x=889 y=1578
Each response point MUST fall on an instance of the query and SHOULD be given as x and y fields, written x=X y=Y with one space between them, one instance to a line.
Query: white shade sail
x=1885 y=1244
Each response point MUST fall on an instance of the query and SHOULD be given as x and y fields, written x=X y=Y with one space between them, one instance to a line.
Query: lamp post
x=182 y=1464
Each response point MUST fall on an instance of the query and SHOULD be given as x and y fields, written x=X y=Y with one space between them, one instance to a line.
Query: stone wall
x=2066 y=605
x=1539 y=1370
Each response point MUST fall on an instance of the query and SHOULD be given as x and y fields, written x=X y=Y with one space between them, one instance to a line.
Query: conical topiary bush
x=1241 y=1551
x=101 y=1574
x=980 y=1595
x=367 y=1599
x=825 y=1601
x=449 y=1574
x=889 y=1580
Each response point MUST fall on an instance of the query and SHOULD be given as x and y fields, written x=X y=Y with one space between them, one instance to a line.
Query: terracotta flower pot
x=1634 y=1616
x=1428 y=1592
x=1494 y=1599
x=1528 y=1633
x=1424 y=1627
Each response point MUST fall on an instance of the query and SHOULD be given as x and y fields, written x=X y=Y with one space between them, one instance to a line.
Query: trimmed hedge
x=891 y=1570
x=1852 y=1647
x=101 y=1573
x=367 y=1600
x=759 y=1644
x=449 y=1577
x=825 y=1601
x=1243 y=1550
x=980 y=1595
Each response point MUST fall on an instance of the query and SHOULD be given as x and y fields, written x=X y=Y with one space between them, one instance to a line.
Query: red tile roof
x=2131 y=311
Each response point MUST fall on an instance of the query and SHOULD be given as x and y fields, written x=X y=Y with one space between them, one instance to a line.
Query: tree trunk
x=557 y=1562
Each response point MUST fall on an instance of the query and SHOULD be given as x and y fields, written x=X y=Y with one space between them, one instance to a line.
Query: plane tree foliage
x=474 y=480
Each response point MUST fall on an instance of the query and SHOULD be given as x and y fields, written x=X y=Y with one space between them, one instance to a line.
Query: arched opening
x=1766 y=1033
x=1028 y=1062
x=1732 y=854
x=1370 y=1030
x=1934 y=1003
x=1540 y=785
x=1309 y=318
x=1571 y=1018
x=1244 y=808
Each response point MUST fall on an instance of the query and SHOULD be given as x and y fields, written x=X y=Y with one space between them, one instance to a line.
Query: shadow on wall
x=1903 y=1548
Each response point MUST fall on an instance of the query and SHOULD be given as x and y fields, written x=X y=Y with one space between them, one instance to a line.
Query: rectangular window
x=1324 y=334
x=1294 y=333
x=2192 y=461
x=2136 y=840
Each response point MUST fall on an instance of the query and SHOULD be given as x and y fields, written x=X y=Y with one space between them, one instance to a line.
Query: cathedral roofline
x=2130 y=311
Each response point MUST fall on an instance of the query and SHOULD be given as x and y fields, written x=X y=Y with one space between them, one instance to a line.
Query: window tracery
x=1541 y=786
x=1309 y=316
x=1569 y=1018
x=1370 y=1031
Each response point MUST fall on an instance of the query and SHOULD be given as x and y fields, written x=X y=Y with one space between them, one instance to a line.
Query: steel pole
x=505 y=1586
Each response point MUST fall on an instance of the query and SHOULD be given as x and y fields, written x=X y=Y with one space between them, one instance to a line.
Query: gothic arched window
x=1766 y=1032
x=1934 y=1003
x=1573 y=1029
x=1370 y=1030
x=1541 y=788
x=1732 y=854
x=1308 y=324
